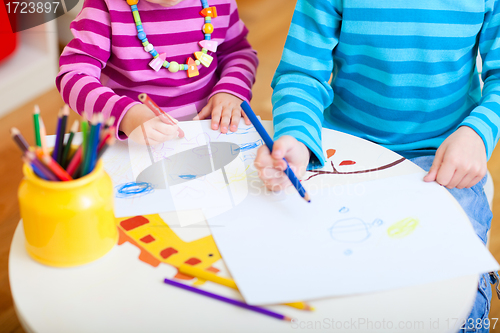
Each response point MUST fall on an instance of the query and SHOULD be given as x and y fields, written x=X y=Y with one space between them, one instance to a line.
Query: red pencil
x=56 y=168
x=146 y=100
x=75 y=162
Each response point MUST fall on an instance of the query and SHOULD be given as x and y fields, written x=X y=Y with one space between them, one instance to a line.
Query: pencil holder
x=68 y=223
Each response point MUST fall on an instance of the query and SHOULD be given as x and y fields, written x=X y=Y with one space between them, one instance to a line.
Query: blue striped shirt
x=403 y=73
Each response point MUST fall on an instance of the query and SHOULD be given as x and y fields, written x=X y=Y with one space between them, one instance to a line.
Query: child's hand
x=155 y=129
x=271 y=166
x=225 y=109
x=460 y=160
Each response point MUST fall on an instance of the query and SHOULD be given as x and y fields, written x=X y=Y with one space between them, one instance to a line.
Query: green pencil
x=88 y=147
x=67 y=147
x=85 y=139
x=36 y=122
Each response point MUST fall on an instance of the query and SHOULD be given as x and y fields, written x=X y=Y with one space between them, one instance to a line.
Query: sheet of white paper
x=184 y=175
x=357 y=238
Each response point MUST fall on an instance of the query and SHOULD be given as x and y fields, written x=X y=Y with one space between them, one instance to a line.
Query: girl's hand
x=460 y=160
x=143 y=126
x=225 y=109
x=271 y=166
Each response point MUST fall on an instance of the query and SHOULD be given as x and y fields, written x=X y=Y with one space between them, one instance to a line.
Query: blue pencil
x=269 y=143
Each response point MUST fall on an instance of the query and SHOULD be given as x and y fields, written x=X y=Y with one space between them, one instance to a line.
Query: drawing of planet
x=352 y=230
x=190 y=164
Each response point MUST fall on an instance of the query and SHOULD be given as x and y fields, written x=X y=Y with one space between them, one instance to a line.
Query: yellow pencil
x=202 y=274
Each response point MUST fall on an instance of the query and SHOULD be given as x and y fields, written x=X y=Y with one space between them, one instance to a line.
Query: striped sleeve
x=485 y=118
x=301 y=88
x=237 y=60
x=81 y=63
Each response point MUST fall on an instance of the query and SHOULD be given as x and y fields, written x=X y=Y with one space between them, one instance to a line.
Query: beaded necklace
x=191 y=66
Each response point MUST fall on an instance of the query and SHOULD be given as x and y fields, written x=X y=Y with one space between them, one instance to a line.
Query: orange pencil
x=146 y=100
x=43 y=139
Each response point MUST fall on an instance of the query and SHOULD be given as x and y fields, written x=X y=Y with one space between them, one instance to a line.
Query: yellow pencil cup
x=68 y=223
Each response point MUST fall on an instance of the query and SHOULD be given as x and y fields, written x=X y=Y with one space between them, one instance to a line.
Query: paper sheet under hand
x=350 y=239
x=200 y=175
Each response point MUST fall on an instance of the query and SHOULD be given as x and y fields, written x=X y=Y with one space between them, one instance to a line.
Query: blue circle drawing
x=133 y=190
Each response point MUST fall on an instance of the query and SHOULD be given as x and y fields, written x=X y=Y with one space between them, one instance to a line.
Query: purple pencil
x=61 y=130
x=228 y=300
x=36 y=164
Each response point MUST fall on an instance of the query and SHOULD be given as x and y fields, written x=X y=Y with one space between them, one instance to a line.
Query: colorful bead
x=174 y=67
x=208 y=28
x=157 y=62
x=137 y=18
x=209 y=12
x=204 y=58
x=209 y=45
x=192 y=70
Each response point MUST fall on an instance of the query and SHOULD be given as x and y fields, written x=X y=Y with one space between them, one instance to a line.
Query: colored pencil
x=228 y=300
x=36 y=123
x=57 y=144
x=43 y=172
x=35 y=169
x=109 y=142
x=43 y=137
x=110 y=122
x=85 y=140
x=146 y=100
x=67 y=146
x=95 y=144
x=19 y=139
x=92 y=142
x=55 y=168
x=269 y=143
x=61 y=130
x=75 y=162
x=205 y=275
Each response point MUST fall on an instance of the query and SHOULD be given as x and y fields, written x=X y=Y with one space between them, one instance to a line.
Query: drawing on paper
x=158 y=244
x=402 y=228
x=344 y=210
x=331 y=152
x=133 y=190
x=352 y=230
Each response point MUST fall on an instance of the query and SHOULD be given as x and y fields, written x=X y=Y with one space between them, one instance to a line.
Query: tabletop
x=120 y=293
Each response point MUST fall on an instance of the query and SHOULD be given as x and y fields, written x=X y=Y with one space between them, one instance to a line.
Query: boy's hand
x=460 y=160
x=271 y=166
x=225 y=109
x=155 y=129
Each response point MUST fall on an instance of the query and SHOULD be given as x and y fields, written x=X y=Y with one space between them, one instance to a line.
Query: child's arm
x=81 y=63
x=461 y=159
x=237 y=65
x=301 y=83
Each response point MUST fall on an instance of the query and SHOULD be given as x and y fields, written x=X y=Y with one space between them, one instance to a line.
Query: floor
x=268 y=23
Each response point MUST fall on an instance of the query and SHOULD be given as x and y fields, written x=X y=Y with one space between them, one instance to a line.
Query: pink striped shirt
x=104 y=68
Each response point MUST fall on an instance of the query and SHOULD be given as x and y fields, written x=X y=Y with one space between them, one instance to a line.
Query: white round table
x=119 y=293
